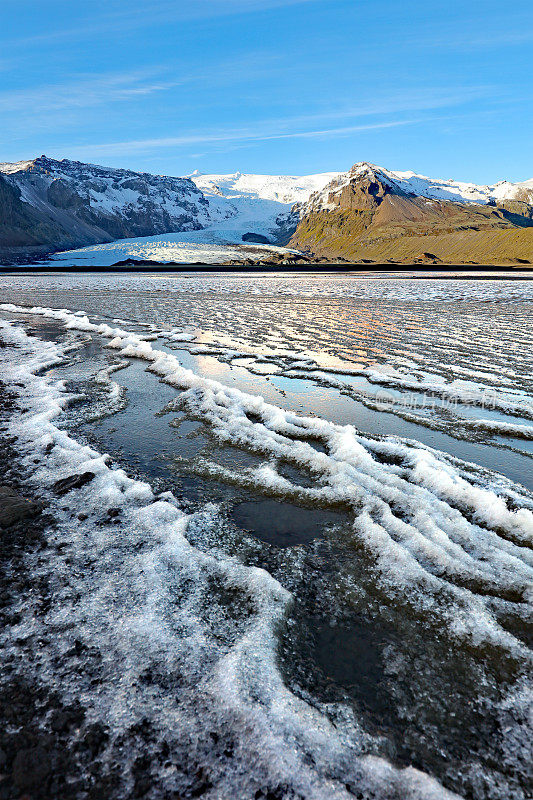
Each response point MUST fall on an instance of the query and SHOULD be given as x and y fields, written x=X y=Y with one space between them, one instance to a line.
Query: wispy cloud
x=406 y=101
x=53 y=102
x=242 y=135
x=54 y=107
x=488 y=32
x=153 y=13
x=58 y=106
x=307 y=126
x=489 y=40
x=82 y=92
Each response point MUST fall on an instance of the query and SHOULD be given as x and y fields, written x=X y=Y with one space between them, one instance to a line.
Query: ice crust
x=209 y=246
x=435 y=491
x=440 y=531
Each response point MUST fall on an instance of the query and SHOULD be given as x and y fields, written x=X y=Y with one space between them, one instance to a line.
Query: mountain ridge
x=370 y=213
x=60 y=204
x=365 y=213
x=434 y=188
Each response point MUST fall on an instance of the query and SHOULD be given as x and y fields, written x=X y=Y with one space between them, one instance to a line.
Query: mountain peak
x=65 y=203
x=376 y=213
x=413 y=184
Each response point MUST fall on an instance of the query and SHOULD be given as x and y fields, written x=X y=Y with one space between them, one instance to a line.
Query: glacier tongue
x=236 y=205
x=255 y=203
x=118 y=214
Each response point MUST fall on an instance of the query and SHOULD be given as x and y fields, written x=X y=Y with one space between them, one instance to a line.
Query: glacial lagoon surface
x=300 y=562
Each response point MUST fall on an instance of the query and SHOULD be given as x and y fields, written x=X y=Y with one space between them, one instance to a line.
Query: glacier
x=237 y=204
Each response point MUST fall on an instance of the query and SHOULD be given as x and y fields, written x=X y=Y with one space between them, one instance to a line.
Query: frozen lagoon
x=385 y=426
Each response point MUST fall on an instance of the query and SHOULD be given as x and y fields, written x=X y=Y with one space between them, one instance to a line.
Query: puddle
x=149 y=435
x=282 y=524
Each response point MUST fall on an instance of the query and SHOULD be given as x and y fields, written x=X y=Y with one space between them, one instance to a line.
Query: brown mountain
x=369 y=213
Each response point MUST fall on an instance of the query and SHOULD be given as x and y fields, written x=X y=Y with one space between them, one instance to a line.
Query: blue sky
x=276 y=86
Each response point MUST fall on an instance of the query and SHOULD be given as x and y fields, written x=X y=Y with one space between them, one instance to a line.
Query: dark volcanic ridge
x=48 y=205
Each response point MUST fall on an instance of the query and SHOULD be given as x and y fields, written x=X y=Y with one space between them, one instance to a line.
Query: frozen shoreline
x=358 y=270
x=251 y=662
x=439 y=549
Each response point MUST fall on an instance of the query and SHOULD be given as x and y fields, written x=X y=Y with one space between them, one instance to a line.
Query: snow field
x=422 y=186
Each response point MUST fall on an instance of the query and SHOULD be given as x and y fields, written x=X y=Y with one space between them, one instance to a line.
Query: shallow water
x=409 y=576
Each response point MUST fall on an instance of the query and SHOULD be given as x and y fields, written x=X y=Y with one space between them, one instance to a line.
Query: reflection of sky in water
x=415 y=331
x=303 y=396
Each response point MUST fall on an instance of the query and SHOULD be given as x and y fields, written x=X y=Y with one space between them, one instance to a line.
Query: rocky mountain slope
x=53 y=205
x=48 y=206
x=370 y=213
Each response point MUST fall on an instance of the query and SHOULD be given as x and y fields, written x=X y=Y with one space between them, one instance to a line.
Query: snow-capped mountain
x=60 y=203
x=370 y=213
x=411 y=183
x=285 y=189
x=248 y=215
x=48 y=206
